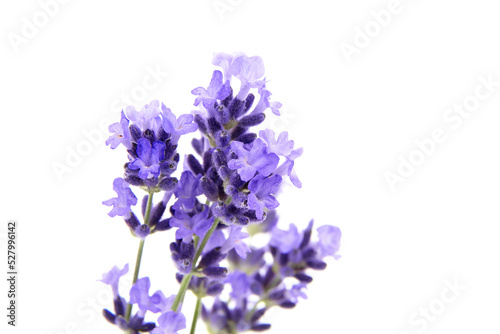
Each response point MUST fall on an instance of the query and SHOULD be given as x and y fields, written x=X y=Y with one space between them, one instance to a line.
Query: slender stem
x=148 y=209
x=196 y=315
x=186 y=279
x=136 y=274
x=182 y=291
x=139 y=253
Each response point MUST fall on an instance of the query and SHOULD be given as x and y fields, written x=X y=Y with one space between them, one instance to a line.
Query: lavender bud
x=168 y=183
x=215 y=272
x=194 y=165
x=252 y=120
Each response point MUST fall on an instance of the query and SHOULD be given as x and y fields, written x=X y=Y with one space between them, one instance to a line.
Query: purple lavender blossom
x=286 y=241
x=329 y=240
x=112 y=278
x=250 y=71
x=147 y=118
x=122 y=203
x=240 y=285
x=224 y=61
x=198 y=224
x=177 y=126
x=261 y=193
x=217 y=90
x=149 y=158
x=187 y=189
x=234 y=241
x=265 y=102
x=170 y=323
x=254 y=160
x=296 y=292
x=139 y=294
x=283 y=147
x=120 y=133
x=216 y=240
x=286 y=168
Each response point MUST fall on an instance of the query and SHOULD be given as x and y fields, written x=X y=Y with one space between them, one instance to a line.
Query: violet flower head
x=286 y=241
x=261 y=193
x=112 y=278
x=170 y=323
x=148 y=162
x=120 y=133
x=122 y=203
x=177 y=126
x=254 y=160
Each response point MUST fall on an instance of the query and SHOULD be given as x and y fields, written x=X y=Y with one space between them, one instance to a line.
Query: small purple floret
x=254 y=160
x=122 y=203
x=112 y=278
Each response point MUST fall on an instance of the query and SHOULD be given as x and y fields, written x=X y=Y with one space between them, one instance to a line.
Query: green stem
x=148 y=209
x=139 y=253
x=204 y=242
x=182 y=291
x=186 y=279
x=196 y=315
x=136 y=274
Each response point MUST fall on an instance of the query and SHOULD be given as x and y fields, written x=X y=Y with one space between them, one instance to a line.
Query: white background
x=354 y=119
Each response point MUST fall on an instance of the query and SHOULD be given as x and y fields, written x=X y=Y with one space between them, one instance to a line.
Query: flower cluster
x=226 y=191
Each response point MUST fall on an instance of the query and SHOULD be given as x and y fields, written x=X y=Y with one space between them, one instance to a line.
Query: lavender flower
x=177 y=126
x=112 y=278
x=329 y=240
x=170 y=323
x=286 y=241
x=234 y=241
x=146 y=118
x=149 y=157
x=120 y=133
x=261 y=193
x=139 y=294
x=254 y=160
x=188 y=225
x=122 y=203
x=217 y=90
